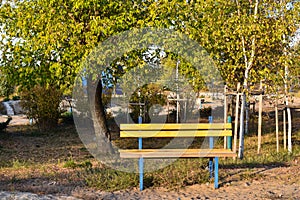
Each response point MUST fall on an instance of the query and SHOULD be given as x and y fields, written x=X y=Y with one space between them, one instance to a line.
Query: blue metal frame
x=141 y=160
x=216 y=172
x=141 y=172
x=211 y=146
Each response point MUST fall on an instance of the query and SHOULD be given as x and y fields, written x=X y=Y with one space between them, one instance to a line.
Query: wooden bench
x=210 y=130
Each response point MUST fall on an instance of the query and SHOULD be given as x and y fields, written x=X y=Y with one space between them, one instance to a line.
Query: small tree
x=42 y=105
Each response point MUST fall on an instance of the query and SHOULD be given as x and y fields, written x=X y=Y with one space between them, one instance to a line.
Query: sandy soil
x=274 y=183
x=16 y=120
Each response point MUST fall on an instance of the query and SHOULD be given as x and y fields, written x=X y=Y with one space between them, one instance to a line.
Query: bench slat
x=177 y=133
x=144 y=127
x=176 y=153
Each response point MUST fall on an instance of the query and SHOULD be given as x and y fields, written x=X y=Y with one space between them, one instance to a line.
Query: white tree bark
x=241 y=141
x=247 y=117
x=259 y=120
x=289 y=116
x=276 y=122
x=284 y=129
x=237 y=103
x=289 y=133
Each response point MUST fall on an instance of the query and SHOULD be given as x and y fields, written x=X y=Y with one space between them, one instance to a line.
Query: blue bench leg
x=141 y=172
x=216 y=172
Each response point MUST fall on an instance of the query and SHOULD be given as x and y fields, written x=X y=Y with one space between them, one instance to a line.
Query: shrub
x=42 y=104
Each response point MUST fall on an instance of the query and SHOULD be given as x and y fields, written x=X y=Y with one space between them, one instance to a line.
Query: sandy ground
x=16 y=120
x=275 y=183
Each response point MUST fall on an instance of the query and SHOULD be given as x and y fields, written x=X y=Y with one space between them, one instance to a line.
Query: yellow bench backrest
x=176 y=130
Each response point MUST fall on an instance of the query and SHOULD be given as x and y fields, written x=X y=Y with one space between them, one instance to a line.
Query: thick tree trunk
x=102 y=132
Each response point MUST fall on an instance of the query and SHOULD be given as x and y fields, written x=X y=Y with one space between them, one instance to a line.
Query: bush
x=42 y=105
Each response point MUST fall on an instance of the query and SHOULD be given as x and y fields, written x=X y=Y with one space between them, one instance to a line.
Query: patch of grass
x=249 y=175
x=109 y=179
x=268 y=156
x=72 y=164
x=182 y=172
x=17 y=164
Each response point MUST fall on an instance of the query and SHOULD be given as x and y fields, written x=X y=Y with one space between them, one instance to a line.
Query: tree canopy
x=44 y=42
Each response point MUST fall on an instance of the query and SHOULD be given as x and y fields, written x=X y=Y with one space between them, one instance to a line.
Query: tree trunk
x=284 y=129
x=259 y=121
x=276 y=122
x=101 y=130
x=236 y=118
x=241 y=141
x=289 y=115
x=225 y=113
x=286 y=91
x=247 y=117
x=288 y=110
